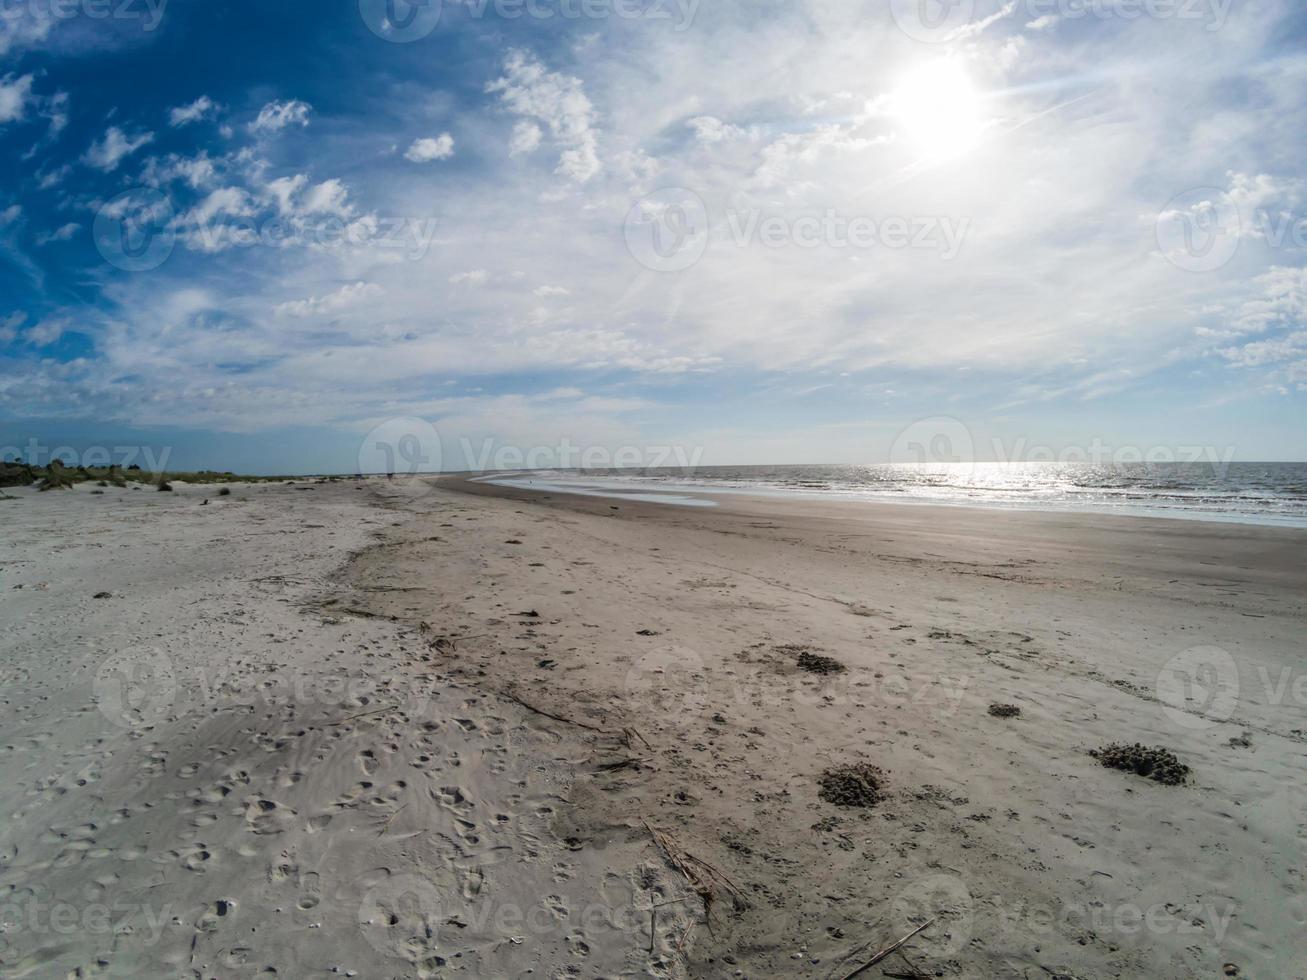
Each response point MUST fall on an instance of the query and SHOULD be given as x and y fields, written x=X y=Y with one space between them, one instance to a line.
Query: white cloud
x=109 y=152
x=199 y=109
x=427 y=149
x=9 y=326
x=201 y=227
x=346 y=296
x=54 y=177
x=710 y=129
x=276 y=116
x=10 y=214
x=783 y=155
x=546 y=291
x=473 y=277
x=557 y=101
x=328 y=197
x=25 y=25
x=14 y=93
x=46 y=332
x=61 y=234
x=525 y=139
x=284 y=190
x=198 y=171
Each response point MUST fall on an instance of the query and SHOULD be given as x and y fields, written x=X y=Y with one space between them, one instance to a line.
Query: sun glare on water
x=938 y=108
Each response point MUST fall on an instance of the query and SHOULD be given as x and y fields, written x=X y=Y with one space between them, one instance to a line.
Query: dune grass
x=57 y=476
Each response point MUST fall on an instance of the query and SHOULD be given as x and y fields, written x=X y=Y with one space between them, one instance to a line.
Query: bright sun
x=939 y=109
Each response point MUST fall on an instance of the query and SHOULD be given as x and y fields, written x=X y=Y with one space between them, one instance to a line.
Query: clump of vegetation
x=1005 y=710
x=816 y=663
x=1157 y=764
x=860 y=785
x=17 y=474
x=224 y=492
x=58 y=477
x=165 y=486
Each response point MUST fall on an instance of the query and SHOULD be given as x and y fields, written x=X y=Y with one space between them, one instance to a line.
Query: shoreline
x=682 y=495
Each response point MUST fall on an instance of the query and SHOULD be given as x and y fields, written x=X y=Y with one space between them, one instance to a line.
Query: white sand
x=1037 y=861
x=210 y=774
x=279 y=744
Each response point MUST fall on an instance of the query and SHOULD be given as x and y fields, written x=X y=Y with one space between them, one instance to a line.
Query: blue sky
x=767 y=231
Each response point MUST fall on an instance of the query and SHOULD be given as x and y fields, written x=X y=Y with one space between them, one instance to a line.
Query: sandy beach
x=434 y=727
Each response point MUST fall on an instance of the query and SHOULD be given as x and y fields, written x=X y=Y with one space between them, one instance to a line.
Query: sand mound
x=856 y=785
x=1158 y=764
x=816 y=663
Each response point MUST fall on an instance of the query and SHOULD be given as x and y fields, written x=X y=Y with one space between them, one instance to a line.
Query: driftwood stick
x=889 y=949
x=386 y=826
x=364 y=714
x=540 y=711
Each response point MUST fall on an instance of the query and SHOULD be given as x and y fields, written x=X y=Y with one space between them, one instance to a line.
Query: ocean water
x=1252 y=493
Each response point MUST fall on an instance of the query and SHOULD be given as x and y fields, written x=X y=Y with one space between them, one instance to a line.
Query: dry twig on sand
x=616 y=766
x=540 y=711
x=701 y=875
x=629 y=735
x=889 y=949
x=386 y=826
x=364 y=714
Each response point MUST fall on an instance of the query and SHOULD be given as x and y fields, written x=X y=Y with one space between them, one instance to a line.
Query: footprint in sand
x=310 y=891
x=264 y=816
x=212 y=918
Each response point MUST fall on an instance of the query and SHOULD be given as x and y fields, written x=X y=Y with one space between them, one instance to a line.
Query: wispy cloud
x=429 y=148
x=276 y=116
x=106 y=153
